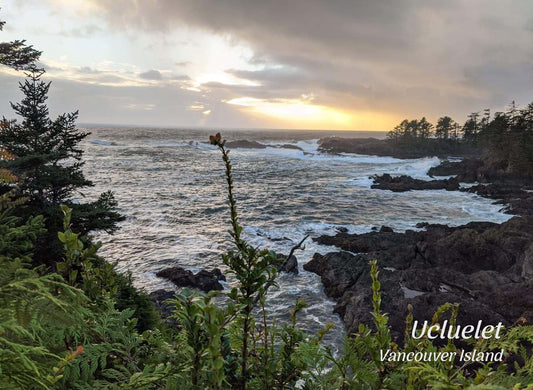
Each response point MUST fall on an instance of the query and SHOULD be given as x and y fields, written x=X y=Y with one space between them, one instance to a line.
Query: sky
x=293 y=64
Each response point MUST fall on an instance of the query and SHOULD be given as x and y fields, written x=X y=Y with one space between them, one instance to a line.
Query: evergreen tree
x=399 y=132
x=413 y=129
x=425 y=128
x=471 y=128
x=16 y=54
x=48 y=161
x=445 y=128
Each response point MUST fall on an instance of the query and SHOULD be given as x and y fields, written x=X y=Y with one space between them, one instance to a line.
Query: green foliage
x=17 y=54
x=235 y=346
x=55 y=335
x=35 y=310
x=48 y=161
x=82 y=267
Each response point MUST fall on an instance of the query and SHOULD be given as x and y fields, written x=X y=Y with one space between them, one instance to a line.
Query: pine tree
x=48 y=161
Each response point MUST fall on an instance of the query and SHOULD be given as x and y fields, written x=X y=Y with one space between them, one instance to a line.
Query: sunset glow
x=176 y=63
x=301 y=113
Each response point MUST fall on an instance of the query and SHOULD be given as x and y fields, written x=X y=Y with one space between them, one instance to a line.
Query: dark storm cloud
x=407 y=56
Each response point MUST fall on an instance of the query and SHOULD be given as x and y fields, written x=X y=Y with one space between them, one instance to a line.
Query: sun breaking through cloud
x=303 y=64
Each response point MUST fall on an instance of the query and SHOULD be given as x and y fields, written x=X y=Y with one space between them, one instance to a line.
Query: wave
x=103 y=142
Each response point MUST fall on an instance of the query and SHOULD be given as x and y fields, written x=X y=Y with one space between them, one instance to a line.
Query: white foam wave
x=417 y=168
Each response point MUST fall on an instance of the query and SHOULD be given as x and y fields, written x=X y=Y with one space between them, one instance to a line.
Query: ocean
x=170 y=185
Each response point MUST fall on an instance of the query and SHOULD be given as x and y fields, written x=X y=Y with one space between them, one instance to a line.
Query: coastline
x=436 y=265
x=485 y=267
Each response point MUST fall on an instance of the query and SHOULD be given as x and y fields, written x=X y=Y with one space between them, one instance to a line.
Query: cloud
x=412 y=56
x=82 y=31
x=149 y=105
x=151 y=75
x=367 y=59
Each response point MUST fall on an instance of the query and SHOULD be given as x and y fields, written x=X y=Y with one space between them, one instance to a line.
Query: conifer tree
x=17 y=54
x=445 y=127
x=471 y=128
x=48 y=162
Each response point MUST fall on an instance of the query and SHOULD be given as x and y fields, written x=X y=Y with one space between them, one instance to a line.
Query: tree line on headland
x=504 y=139
x=69 y=320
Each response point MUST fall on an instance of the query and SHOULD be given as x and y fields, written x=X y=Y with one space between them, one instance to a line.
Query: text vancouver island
x=448 y=332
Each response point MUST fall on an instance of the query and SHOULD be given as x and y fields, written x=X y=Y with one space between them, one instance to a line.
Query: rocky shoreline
x=387 y=148
x=485 y=267
x=406 y=183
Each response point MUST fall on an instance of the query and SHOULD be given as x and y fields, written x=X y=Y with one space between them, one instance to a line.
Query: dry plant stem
x=293 y=249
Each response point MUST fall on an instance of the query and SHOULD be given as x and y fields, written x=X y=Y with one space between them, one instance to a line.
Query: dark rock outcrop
x=406 y=183
x=159 y=297
x=290 y=266
x=466 y=171
x=482 y=170
x=203 y=280
x=485 y=267
x=290 y=146
x=386 y=147
x=245 y=144
x=369 y=146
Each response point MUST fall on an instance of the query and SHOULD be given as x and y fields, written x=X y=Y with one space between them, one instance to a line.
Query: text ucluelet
x=445 y=331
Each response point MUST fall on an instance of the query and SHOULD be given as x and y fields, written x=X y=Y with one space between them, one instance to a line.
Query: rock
x=527 y=267
x=516 y=200
x=245 y=144
x=203 y=280
x=290 y=146
x=291 y=265
x=485 y=267
x=159 y=297
x=466 y=171
x=407 y=183
x=386 y=147
x=368 y=146
x=218 y=274
x=482 y=170
x=386 y=229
